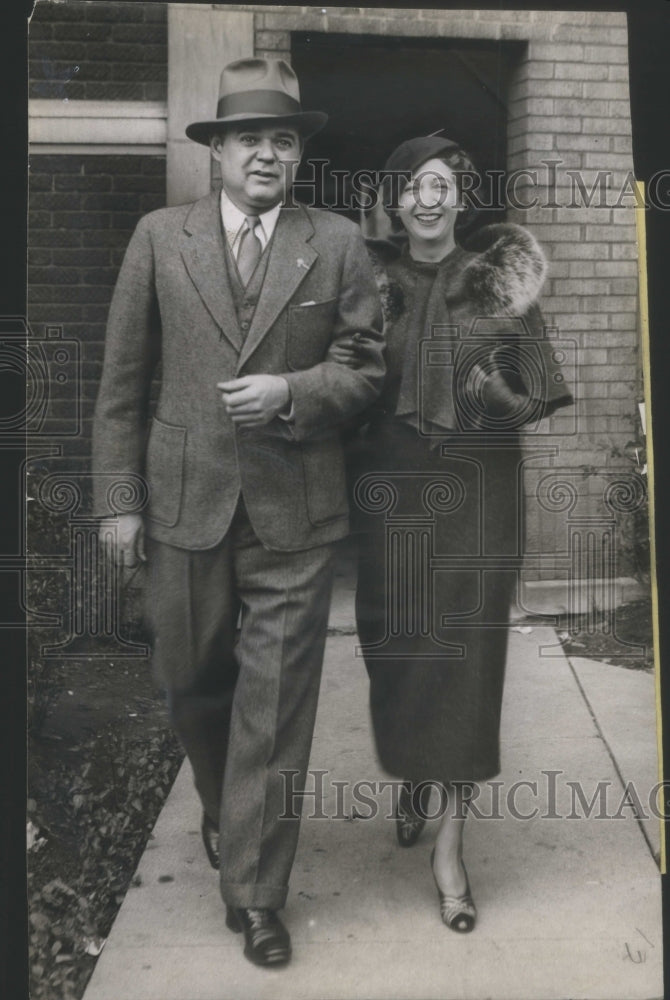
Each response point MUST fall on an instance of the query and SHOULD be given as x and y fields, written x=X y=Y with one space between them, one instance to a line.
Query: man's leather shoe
x=210 y=838
x=266 y=940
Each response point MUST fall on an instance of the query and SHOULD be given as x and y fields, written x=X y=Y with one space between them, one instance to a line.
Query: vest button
x=244 y=324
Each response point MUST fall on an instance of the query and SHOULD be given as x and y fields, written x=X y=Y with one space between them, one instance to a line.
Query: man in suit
x=243 y=299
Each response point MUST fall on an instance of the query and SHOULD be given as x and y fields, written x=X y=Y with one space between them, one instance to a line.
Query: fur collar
x=500 y=273
x=507 y=273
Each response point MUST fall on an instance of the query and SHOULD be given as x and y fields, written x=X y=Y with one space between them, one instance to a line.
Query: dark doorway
x=380 y=91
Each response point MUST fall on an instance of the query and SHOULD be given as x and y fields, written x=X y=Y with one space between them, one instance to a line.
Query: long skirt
x=439 y=555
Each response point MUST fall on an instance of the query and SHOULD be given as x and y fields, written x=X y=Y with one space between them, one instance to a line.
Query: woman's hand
x=496 y=396
x=344 y=352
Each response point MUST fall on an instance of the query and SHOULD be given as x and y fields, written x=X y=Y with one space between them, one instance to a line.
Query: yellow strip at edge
x=646 y=379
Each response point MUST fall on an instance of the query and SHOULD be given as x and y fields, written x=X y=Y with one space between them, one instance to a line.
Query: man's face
x=258 y=164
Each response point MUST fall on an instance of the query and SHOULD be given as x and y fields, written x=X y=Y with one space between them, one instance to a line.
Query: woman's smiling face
x=429 y=205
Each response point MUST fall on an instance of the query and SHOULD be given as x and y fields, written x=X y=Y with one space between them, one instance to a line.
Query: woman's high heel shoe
x=408 y=823
x=459 y=913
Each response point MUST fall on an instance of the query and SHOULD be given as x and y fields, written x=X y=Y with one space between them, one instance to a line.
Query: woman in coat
x=438 y=475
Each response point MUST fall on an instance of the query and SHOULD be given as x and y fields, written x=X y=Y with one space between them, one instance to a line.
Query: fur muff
x=502 y=272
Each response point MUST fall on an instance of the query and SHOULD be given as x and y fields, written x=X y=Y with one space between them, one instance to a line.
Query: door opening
x=380 y=91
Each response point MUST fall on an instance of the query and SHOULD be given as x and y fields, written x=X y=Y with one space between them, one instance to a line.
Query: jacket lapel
x=291 y=258
x=203 y=253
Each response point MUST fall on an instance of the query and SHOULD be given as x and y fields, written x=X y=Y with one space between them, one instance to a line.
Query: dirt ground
x=605 y=637
x=102 y=759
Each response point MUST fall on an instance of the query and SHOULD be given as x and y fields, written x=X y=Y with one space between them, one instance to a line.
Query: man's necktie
x=250 y=249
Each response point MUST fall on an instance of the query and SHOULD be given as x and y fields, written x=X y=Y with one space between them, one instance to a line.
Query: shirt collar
x=234 y=218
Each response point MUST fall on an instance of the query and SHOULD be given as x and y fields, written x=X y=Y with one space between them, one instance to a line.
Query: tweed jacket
x=173 y=304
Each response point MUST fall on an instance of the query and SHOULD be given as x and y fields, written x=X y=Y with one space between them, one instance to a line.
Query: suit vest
x=246 y=299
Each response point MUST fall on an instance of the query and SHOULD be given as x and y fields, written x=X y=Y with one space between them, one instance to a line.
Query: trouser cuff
x=246 y=895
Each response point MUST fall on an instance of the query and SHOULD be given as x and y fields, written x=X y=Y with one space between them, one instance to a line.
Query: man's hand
x=128 y=547
x=254 y=400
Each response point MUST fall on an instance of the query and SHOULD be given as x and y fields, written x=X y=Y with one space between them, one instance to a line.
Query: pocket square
x=310 y=303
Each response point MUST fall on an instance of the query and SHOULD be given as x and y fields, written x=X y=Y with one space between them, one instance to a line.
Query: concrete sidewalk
x=567 y=907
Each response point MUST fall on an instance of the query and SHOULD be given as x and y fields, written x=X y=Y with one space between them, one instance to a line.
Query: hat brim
x=307 y=123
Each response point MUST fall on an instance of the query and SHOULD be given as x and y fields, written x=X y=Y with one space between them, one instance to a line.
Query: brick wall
x=84 y=50
x=82 y=212
x=83 y=208
x=569 y=102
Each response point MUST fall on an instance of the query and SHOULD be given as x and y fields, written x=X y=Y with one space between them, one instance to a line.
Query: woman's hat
x=409 y=155
x=258 y=90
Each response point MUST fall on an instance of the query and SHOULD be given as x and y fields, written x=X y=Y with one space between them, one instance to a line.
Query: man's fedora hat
x=258 y=90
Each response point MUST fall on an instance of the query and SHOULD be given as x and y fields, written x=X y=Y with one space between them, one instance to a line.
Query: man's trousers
x=243 y=703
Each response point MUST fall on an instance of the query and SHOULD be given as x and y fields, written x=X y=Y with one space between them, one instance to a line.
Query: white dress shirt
x=234 y=223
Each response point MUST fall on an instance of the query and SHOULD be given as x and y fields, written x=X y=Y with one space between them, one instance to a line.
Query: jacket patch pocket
x=165 y=471
x=310 y=331
x=325 y=480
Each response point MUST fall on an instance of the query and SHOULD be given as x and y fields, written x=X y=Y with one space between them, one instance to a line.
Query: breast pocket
x=310 y=330
x=165 y=471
